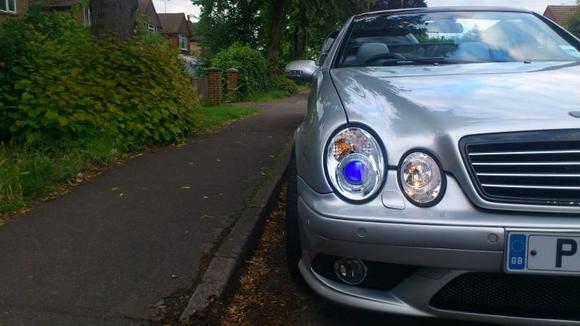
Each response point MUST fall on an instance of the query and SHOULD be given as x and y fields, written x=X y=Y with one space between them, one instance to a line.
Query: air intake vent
x=529 y=296
x=536 y=168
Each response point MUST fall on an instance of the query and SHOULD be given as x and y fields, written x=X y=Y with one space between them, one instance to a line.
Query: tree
x=282 y=29
x=225 y=22
x=573 y=24
x=114 y=17
x=277 y=11
x=311 y=21
x=398 y=4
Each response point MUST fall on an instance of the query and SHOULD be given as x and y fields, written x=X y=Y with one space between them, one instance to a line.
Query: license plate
x=543 y=253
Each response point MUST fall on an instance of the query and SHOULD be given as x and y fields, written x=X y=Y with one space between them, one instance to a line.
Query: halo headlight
x=355 y=164
x=421 y=179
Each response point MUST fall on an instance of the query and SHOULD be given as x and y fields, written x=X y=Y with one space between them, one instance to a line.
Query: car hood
x=432 y=107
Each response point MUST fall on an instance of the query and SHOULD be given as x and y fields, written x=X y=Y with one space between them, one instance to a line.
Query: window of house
x=183 y=42
x=8 y=6
x=87 y=15
x=151 y=28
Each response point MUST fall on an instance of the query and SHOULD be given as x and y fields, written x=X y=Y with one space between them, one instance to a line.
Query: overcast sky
x=536 y=5
x=185 y=6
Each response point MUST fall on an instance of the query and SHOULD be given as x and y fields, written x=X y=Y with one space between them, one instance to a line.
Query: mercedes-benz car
x=437 y=171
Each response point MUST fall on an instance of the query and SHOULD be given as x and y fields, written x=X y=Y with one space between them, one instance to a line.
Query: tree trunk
x=300 y=44
x=114 y=17
x=275 y=33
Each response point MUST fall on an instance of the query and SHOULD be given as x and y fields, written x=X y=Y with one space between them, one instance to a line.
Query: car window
x=453 y=37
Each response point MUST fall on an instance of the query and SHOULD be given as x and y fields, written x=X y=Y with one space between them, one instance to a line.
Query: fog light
x=350 y=271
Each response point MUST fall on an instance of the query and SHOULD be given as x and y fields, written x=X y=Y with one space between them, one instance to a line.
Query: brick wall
x=21 y=9
x=214 y=86
x=174 y=41
x=232 y=77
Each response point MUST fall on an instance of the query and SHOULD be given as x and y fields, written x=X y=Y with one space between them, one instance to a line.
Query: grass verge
x=216 y=116
x=275 y=94
x=32 y=174
x=29 y=175
x=270 y=95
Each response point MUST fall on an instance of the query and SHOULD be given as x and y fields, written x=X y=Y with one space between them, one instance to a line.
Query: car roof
x=443 y=9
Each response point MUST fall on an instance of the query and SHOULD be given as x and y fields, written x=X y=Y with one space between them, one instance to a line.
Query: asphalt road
x=266 y=295
x=110 y=251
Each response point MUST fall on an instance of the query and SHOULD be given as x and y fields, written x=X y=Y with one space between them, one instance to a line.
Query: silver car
x=437 y=171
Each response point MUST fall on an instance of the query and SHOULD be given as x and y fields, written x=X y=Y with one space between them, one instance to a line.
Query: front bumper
x=445 y=242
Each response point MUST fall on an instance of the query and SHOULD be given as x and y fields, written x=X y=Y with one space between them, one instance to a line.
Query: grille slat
x=525 y=163
x=529 y=175
x=526 y=153
x=538 y=168
x=485 y=185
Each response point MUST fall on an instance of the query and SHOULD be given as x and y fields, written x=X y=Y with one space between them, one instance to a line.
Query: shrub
x=252 y=65
x=284 y=84
x=68 y=85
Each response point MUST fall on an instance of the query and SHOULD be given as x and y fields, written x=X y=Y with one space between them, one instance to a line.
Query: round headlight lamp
x=421 y=179
x=355 y=164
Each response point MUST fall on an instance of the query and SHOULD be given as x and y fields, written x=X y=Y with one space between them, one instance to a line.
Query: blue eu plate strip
x=517 y=251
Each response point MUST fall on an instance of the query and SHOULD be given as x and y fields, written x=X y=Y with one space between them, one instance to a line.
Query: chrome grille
x=537 y=168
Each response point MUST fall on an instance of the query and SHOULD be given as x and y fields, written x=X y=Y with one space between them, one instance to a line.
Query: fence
x=201 y=86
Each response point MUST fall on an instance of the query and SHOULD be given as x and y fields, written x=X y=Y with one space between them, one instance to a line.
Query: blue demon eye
x=354 y=172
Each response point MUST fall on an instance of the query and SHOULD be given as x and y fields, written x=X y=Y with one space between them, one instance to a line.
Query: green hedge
x=252 y=65
x=284 y=84
x=61 y=84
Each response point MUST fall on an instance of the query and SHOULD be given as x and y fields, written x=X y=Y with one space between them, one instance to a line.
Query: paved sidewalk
x=108 y=251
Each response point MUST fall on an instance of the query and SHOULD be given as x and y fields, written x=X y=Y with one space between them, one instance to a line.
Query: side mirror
x=301 y=70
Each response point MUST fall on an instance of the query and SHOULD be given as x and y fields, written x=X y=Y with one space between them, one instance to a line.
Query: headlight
x=421 y=179
x=355 y=164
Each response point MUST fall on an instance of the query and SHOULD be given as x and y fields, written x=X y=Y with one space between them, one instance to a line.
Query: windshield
x=453 y=37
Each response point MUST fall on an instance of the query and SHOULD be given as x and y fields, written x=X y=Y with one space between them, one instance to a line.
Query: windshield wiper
x=424 y=61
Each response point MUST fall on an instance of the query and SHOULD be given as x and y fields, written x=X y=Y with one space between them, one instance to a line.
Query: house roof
x=147 y=8
x=175 y=23
x=143 y=4
x=560 y=14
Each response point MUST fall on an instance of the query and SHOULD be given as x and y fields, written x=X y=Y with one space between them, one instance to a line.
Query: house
x=149 y=14
x=10 y=8
x=560 y=14
x=177 y=29
x=81 y=13
x=84 y=15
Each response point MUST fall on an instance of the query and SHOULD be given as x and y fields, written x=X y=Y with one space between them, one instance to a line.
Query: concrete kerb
x=235 y=248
